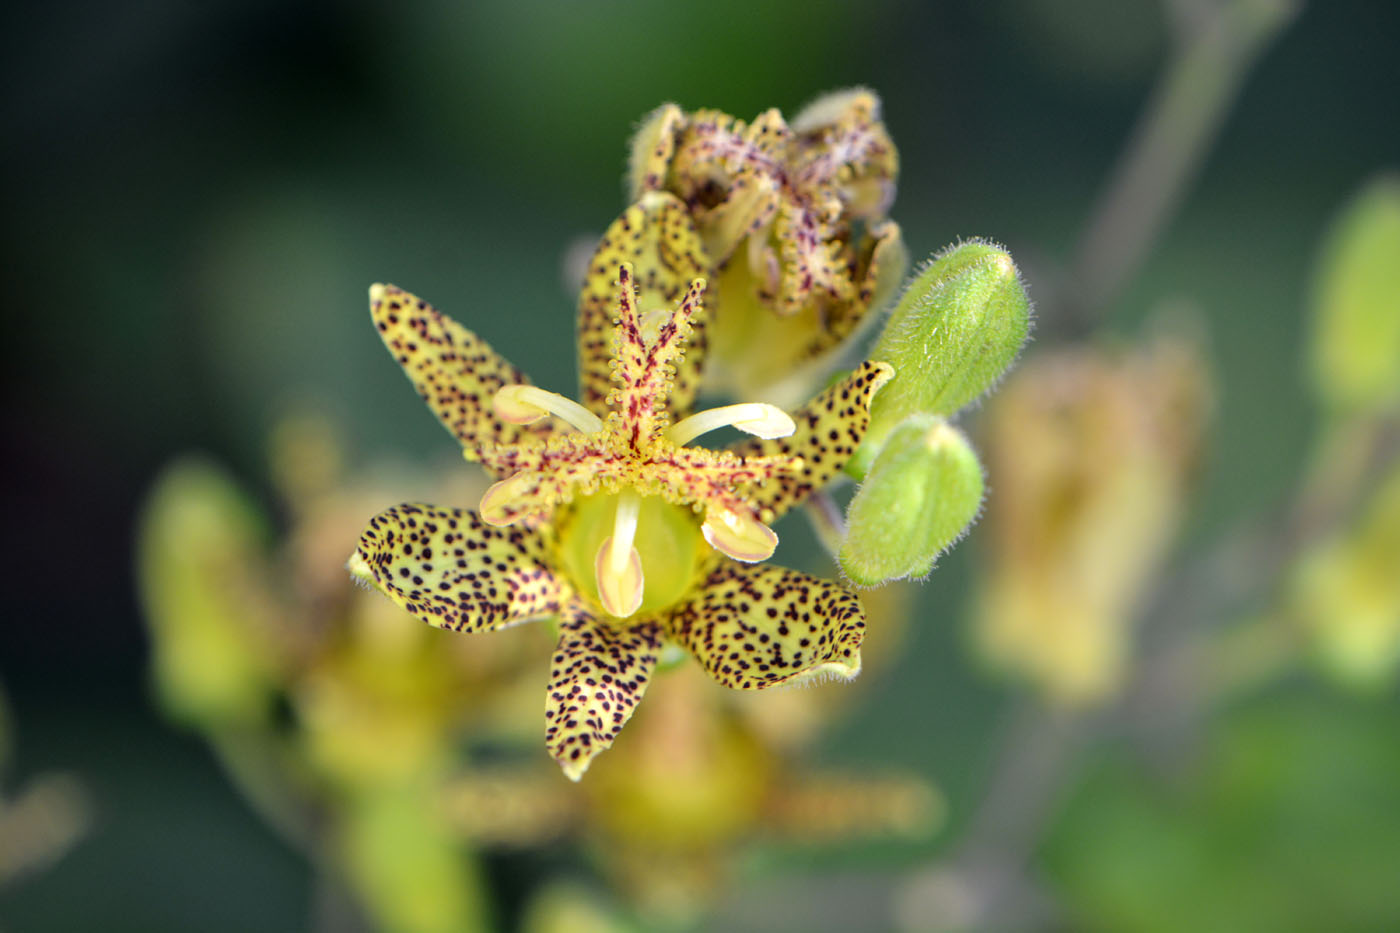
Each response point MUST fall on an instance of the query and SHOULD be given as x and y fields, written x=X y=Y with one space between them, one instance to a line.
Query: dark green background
x=198 y=194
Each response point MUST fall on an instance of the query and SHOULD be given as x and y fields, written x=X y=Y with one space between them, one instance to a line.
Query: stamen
x=759 y=418
x=741 y=536
x=629 y=506
x=499 y=504
x=618 y=568
x=522 y=404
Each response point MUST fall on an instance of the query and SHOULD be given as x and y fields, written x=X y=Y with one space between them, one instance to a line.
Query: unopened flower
x=955 y=331
x=605 y=517
x=920 y=497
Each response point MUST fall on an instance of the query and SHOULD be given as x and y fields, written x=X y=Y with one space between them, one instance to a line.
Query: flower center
x=631 y=553
x=619 y=575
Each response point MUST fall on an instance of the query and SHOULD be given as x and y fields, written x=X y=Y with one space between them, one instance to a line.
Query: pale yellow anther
x=618 y=567
x=497 y=503
x=522 y=404
x=740 y=536
x=757 y=418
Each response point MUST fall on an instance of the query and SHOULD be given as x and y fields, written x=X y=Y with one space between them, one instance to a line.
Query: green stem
x=1171 y=138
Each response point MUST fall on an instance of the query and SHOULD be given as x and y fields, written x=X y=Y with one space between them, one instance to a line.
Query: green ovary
x=668 y=540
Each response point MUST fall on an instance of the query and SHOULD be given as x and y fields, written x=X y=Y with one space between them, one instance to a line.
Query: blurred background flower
x=1091 y=452
x=198 y=196
x=40 y=822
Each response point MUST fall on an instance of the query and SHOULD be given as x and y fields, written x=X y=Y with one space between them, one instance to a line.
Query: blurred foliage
x=1285 y=818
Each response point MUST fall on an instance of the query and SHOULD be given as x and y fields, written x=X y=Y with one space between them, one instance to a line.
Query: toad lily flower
x=604 y=517
x=793 y=217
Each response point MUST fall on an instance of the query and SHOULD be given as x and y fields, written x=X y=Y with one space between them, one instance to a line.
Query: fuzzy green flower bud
x=1356 y=325
x=920 y=496
x=956 y=329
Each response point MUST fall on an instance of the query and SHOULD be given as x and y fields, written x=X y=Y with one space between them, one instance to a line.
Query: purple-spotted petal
x=829 y=429
x=657 y=237
x=596 y=678
x=453 y=369
x=452 y=570
x=756 y=625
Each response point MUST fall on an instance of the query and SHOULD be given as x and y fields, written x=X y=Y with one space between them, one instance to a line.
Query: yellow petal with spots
x=812 y=259
x=829 y=429
x=596 y=679
x=455 y=371
x=454 y=571
x=653 y=146
x=658 y=239
x=757 y=625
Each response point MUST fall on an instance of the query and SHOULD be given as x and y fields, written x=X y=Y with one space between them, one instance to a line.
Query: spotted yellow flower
x=793 y=218
x=603 y=516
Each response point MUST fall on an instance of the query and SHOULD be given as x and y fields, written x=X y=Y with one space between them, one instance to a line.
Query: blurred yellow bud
x=1346 y=593
x=956 y=329
x=688 y=778
x=408 y=868
x=567 y=907
x=1356 y=307
x=1090 y=453
x=198 y=555
x=921 y=495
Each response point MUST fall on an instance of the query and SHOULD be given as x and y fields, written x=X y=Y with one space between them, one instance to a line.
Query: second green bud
x=920 y=495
